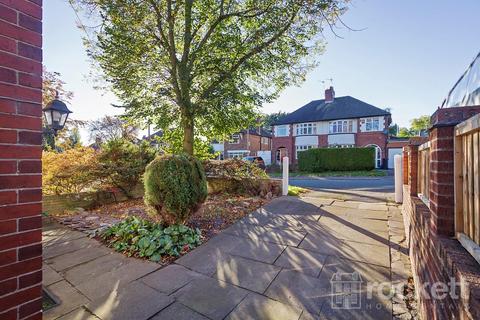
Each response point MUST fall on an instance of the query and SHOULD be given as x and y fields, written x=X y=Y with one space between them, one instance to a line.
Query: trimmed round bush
x=175 y=186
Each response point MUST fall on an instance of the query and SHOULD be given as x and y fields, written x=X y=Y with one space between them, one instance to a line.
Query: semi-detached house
x=339 y=122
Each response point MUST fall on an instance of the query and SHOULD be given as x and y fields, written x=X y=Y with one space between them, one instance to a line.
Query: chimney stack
x=329 y=95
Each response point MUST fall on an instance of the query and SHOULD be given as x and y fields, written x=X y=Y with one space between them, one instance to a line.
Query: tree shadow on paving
x=355 y=196
x=355 y=227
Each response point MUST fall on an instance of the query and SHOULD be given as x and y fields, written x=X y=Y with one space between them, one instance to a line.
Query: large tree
x=205 y=66
x=417 y=125
x=111 y=128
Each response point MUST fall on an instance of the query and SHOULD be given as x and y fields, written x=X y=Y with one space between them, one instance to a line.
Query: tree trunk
x=188 y=134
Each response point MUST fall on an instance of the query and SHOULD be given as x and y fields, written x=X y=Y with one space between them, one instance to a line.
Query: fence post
x=398 y=179
x=285 y=176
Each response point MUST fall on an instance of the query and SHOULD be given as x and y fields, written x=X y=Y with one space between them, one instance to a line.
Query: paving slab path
x=277 y=263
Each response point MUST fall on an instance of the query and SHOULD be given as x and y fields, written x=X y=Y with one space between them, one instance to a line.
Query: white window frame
x=237 y=154
x=301 y=148
x=374 y=124
x=235 y=138
x=340 y=126
x=306 y=129
x=378 y=155
x=279 y=132
x=341 y=146
x=264 y=140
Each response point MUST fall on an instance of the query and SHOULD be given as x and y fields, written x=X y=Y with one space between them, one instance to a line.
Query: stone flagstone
x=135 y=301
x=68 y=298
x=170 y=278
x=245 y=273
x=297 y=289
x=211 y=298
x=259 y=307
x=276 y=263
x=307 y=262
x=177 y=311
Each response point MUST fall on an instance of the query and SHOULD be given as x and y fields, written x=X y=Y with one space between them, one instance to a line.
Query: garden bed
x=217 y=213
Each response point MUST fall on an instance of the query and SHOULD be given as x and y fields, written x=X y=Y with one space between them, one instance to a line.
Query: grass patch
x=296 y=191
x=361 y=173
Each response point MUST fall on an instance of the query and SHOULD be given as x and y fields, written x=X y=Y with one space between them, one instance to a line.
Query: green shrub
x=142 y=238
x=72 y=171
x=175 y=186
x=236 y=169
x=123 y=163
x=336 y=159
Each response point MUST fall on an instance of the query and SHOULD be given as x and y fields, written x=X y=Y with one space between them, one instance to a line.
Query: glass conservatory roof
x=466 y=92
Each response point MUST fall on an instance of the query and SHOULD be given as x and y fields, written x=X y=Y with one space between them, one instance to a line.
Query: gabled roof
x=255 y=131
x=341 y=108
x=159 y=134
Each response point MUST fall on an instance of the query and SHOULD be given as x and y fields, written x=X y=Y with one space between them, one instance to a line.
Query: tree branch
x=172 y=51
x=257 y=49
x=222 y=17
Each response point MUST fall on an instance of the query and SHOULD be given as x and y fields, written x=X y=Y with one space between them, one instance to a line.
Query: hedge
x=336 y=159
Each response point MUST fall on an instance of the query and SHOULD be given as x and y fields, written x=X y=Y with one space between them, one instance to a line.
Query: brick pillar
x=405 y=165
x=412 y=169
x=442 y=201
x=20 y=159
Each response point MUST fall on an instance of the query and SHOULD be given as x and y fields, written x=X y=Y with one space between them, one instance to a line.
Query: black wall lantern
x=56 y=114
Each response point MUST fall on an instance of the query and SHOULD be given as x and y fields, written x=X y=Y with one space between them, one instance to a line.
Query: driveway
x=314 y=257
x=378 y=188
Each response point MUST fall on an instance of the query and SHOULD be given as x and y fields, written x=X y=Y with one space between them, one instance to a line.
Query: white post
x=285 y=176
x=398 y=178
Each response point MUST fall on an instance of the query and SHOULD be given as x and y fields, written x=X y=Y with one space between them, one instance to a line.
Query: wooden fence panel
x=476 y=187
x=467 y=180
x=423 y=180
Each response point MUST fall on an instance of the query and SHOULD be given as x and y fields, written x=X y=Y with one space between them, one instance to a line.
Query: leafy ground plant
x=296 y=191
x=145 y=239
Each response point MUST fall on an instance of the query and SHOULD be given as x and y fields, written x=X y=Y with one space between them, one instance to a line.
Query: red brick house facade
x=253 y=142
x=332 y=122
x=20 y=159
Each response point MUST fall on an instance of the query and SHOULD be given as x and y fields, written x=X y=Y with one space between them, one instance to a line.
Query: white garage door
x=391 y=155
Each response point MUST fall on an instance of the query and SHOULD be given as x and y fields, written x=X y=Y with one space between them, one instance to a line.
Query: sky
x=406 y=56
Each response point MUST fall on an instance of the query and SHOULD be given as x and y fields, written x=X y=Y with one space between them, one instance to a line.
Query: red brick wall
x=323 y=140
x=442 y=202
x=241 y=145
x=396 y=144
x=438 y=259
x=250 y=142
x=363 y=139
x=453 y=115
x=283 y=142
x=436 y=256
x=20 y=159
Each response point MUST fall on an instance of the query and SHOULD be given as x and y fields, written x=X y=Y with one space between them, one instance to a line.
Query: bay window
x=372 y=124
x=306 y=129
x=341 y=126
x=282 y=131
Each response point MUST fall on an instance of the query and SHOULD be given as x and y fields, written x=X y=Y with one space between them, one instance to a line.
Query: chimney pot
x=329 y=95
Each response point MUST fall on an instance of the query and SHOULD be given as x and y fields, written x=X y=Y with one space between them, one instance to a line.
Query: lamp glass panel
x=63 y=119
x=48 y=117
x=56 y=115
